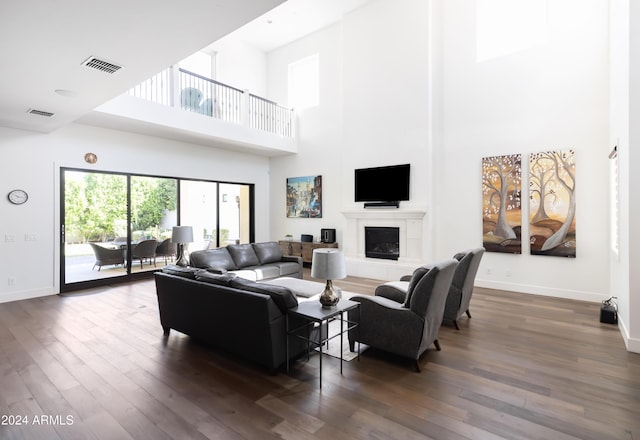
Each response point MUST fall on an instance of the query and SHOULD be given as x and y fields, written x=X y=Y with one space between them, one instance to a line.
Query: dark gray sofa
x=253 y=261
x=227 y=312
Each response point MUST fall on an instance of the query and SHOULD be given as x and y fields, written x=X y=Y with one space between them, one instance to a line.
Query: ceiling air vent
x=33 y=111
x=101 y=65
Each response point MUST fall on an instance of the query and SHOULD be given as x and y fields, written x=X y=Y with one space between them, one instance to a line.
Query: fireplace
x=382 y=242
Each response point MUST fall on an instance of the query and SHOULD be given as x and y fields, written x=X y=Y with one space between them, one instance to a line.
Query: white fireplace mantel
x=384 y=213
x=410 y=225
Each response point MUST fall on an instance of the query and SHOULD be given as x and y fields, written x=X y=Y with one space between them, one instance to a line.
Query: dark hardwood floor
x=95 y=365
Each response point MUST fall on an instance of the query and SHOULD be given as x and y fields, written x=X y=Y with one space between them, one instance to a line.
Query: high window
x=504 y=27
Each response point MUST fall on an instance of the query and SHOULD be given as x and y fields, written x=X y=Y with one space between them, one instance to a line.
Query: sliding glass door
x=95 y=213
x=220 y=213
x=116 y=226
x=154 y=202
x=113 y=225
x=198 y=208
x=234 y=202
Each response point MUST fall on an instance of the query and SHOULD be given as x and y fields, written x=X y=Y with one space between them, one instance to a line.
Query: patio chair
x=106 y=257
x=167 y=250
x=145 y=249
x=120 y=241
x=190 y=98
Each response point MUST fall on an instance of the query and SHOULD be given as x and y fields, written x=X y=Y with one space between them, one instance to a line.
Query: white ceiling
x=292 y=20
x=44 y=42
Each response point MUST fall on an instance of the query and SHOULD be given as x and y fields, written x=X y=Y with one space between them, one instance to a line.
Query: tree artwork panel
x=501 y=211
x=552 y=203
x=304 y=197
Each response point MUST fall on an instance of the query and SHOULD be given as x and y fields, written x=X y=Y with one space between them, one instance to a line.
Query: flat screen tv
x=382 y=184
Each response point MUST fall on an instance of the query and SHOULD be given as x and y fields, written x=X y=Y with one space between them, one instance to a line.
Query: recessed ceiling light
x=67 y=93
x=269 y=21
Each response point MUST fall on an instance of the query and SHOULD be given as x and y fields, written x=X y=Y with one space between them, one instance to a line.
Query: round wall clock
x=18 y=197
x=90 y=158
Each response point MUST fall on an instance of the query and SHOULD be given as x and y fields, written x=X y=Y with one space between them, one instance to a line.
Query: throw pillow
x=422 y=292
x=221 y=280
x=415 y=278
x=461 y=269
x=460 y=255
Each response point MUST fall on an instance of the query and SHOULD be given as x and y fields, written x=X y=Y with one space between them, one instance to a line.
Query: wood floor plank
x=29 y=410
x=524 y=367
x=137 y=424
x=292 y=415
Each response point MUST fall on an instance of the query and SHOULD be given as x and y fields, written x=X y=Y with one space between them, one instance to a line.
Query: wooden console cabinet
x=302 y=248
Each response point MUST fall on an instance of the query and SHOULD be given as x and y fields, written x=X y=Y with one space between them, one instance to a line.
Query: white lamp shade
x=328 y=264
x=182 y=234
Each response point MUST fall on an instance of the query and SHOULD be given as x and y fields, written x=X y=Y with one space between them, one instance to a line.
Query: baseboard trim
x=25 y=294
x=541 y=290
x=632 y=344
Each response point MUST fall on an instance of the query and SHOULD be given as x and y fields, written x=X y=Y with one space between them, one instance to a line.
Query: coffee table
x=305 y=289
x=299 y=287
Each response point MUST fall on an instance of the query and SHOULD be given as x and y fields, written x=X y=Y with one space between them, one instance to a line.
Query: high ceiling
x=292 y=20
x=43 y=44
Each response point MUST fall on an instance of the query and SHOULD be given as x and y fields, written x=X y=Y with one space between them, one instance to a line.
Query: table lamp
x=182 y=235
x=328 y=264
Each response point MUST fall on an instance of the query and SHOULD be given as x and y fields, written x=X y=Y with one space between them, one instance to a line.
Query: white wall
x=619 y=135
x=551 y=96
x=32 y=162
x=625 y=107
x=320 y=146
x=373 y=109
x=632 y=207
x=241 y=65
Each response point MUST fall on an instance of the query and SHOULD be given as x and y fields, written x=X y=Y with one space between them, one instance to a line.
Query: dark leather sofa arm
x=294 y=259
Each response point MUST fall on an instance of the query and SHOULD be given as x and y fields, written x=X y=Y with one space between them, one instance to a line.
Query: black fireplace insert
x=382 y=242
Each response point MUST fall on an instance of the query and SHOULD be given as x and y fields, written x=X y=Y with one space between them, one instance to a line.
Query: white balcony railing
x=177 y=87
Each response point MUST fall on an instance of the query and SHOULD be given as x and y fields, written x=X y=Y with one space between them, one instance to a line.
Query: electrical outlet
x=11 y=281
x=508 y=272
x=30 y=237
x=488 y=271
x=8 y=238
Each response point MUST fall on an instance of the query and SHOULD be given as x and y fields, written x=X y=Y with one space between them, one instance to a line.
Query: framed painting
x=304 y=197
x=552 y=203
x=501 y=210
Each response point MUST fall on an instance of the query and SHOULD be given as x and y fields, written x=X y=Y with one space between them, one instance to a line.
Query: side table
x=314 y=313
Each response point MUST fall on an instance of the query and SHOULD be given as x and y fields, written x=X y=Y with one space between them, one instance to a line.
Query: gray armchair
x=462 y=285
x=459 y=295
x=407 y=328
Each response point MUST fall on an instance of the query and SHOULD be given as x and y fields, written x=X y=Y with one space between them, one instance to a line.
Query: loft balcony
x=182 y=105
